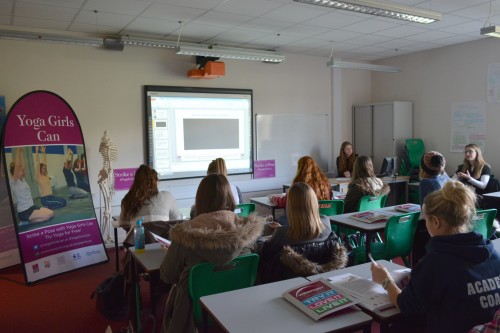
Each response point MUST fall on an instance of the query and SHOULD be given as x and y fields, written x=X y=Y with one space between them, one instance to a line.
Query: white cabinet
x=380 y=130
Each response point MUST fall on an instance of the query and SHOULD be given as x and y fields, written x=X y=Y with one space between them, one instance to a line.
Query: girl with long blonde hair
x=452 y=285
x=474 y=171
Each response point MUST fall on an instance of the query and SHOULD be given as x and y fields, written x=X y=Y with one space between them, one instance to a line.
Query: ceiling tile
x=253 y=7
x=125 y=7
x=296 y=13
x=40 y=12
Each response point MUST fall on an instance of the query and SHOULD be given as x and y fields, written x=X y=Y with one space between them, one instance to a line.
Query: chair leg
x=406 y=261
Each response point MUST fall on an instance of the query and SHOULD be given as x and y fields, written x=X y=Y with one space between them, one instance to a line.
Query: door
x=383 y=134
x=362 y=122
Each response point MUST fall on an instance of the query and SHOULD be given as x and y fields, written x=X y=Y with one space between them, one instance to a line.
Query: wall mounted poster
x=468 y=125
x=52 y=209
x=9 y=254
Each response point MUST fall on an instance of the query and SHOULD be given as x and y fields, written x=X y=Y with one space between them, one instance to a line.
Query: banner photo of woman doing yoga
x=43 y=153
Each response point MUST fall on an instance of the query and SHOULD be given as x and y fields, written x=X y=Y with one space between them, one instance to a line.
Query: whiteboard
x=287 y=137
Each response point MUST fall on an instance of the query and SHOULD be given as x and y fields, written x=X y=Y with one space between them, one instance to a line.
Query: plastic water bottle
x=139 y=237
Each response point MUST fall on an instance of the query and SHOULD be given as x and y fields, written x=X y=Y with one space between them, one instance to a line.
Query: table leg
x=368 y=244
x=117 y=255
x=135 y=297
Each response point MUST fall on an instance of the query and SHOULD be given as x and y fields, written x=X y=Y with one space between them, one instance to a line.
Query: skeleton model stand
x=106 y=183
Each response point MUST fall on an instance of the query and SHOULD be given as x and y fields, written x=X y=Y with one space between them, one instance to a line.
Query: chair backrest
x=331 y=207
x=208 y=279
x=369 y=202
x=416 y=149
x=245 y=209
x=399 y=234
x=482 y=222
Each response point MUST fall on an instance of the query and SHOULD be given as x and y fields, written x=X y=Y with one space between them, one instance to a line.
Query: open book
x=161 y=240
x=370 y=295
x=409 y=208
x=372 y=216
x=318 y=299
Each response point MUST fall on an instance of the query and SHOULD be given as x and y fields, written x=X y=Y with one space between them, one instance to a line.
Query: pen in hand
x=371 y=258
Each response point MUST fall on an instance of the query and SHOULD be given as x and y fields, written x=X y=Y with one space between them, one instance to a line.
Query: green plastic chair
x=208 y=279
x=331 y=207
x=399 y=235
x=369 y=202
x=245 y=209
x=416 y=149
x=482 y=222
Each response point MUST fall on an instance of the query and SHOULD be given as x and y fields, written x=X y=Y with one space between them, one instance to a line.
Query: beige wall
x=105 y=90
x=435 y=80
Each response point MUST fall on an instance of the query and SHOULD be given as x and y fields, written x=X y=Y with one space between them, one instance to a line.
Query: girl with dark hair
x=216 y=235
x=345 y=160
x=363 y=182
x=432 y=175
x=144 y=200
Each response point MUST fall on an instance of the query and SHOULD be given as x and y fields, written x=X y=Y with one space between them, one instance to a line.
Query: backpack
x=111 y=300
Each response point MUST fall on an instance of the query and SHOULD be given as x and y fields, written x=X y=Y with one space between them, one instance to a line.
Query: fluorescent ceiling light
x=230 y=53
x=380 y=8
x=492 y=31
x=362 y=66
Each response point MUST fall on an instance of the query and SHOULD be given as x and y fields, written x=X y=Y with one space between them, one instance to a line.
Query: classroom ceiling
x=281 y=25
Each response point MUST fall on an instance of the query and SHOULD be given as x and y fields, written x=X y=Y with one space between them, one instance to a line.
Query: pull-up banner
x=44 y=157
x=9 y=254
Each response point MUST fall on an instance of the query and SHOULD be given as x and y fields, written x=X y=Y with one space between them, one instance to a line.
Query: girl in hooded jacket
x=456 y=285
x=216 y=235
x=363 y=182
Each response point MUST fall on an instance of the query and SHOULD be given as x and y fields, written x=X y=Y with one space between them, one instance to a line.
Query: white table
x=384 y=317
x=262 y=309
x=264 y=201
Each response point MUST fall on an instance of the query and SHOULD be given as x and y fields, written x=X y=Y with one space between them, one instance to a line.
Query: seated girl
x=27 y=211
x=345 y=160
x=144 y=200
x=452 y=288
x=216 y=235
x=47 y=198
x=474 y=171
x=432 y=175
x=306 y=246
x=308 y=172
x=363 y=182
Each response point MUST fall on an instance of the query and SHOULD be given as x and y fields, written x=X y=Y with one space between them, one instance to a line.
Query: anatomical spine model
x=106 y=183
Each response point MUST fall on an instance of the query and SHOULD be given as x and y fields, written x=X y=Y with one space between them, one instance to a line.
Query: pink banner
x=264 y=169
x=54 y=215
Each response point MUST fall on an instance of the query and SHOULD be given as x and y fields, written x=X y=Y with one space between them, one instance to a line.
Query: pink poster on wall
x=52 y=209
x=264 y=169
x=124 y=178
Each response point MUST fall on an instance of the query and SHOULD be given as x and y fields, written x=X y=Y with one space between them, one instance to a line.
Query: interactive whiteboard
x=287 y=137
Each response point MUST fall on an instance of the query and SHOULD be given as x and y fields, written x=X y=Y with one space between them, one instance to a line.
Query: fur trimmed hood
x=218 y=231
x=372 y=186
x=302 y=266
